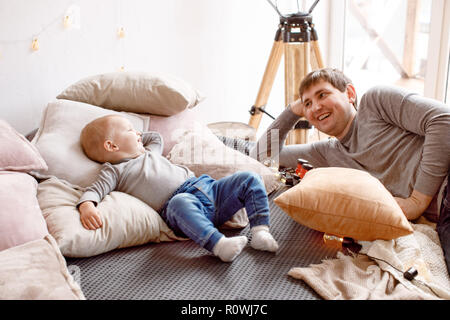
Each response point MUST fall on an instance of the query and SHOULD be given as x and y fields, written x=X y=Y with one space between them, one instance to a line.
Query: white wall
x=219 y=46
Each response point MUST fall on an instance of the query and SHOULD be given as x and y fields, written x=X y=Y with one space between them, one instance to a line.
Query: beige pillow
x=203 y=153
x=36 y=270
x=345 y=202
x=127 y=221
x=58 y=140
x=139 y=92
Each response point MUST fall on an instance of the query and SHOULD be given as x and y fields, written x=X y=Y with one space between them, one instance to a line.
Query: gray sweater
x=150 y=177
x=401 y=138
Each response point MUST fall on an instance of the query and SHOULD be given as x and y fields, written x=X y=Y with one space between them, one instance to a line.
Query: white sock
x=229 y=248
x=262 y=239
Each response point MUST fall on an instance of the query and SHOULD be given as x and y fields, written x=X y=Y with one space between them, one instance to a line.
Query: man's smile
x=323 y=116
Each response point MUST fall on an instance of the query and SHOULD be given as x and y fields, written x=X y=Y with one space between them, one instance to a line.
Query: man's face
x=328 y=109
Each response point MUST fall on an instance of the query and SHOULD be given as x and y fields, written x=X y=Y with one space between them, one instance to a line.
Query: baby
x=192 y=207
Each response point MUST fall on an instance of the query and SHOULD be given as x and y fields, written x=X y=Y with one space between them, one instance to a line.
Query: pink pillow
x=16 y=152
x=21 y=218
x=173 y=127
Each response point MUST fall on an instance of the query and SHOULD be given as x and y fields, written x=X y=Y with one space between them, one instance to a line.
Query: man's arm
x=87 y=204
x=424 y=117
x=271 y=142
x=153 y=141
x=415 y=205
x=427 y=118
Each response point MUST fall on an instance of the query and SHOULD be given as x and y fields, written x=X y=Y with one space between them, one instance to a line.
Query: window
x=401 y=42
x=387 y=42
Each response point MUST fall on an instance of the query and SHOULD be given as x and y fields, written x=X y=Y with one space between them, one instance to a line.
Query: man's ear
x=110 y=146
x=351 y=93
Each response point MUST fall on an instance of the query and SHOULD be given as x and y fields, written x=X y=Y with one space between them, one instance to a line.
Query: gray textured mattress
x=184 y=271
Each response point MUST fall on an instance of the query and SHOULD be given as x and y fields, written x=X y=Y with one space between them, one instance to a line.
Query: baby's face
x=127 y=138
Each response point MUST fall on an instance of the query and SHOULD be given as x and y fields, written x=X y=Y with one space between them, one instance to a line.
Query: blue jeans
x=202 y=204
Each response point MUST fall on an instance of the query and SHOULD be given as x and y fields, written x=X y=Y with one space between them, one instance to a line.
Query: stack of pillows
x=152 y=102
x=31 y=264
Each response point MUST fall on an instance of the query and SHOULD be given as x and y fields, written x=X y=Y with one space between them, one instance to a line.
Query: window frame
x=438 y=60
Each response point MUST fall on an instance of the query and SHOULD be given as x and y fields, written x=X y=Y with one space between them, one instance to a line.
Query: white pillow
x=203 y=153
x=58 y=140
x=36 y=270
x=140 y=92
x=127 y=221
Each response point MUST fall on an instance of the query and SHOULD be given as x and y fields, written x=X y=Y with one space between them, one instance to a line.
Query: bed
x=182 y=270
x=135 y=256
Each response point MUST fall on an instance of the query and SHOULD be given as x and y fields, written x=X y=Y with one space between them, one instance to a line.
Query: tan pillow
x=36 y=270
x=139 y=92
x=58 y=140
x=203 y=153
x=345 y=202
x=127 y=221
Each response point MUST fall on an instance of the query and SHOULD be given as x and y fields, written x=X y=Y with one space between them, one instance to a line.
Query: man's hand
x=298 y=108
x=90 y=216
x=415 y=205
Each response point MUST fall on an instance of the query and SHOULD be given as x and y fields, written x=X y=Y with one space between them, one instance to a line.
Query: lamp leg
x=316 y=56
x=266 y=85
x=297 y=65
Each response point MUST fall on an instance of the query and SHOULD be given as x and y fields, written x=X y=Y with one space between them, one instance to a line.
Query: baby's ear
x=110 y=146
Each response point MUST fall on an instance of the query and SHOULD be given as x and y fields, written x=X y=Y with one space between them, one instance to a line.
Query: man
x=400 y=138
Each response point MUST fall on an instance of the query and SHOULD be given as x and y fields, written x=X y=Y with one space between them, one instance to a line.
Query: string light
x=70 y=20
x=72 y=17
x=67 y=21
x=121 y=33
x=35 y=44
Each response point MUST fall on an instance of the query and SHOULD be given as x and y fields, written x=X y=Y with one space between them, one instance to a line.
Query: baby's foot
x=227 y=249
x=262 y=239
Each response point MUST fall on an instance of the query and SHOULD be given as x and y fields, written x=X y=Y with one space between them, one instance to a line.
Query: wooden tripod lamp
x=297 y=39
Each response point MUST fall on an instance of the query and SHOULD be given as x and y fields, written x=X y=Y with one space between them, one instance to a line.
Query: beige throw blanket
x=377 y=272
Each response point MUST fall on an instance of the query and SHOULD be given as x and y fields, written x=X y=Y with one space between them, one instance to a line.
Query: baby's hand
x=90 y=216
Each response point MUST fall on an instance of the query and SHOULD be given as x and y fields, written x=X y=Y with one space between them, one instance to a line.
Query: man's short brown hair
x=333 y=76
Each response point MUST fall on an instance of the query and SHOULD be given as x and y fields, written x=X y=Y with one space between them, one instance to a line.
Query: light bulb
x=121 y=33
x=122 y=68
x=72 y=18
x=67 y=21
x=35 y=44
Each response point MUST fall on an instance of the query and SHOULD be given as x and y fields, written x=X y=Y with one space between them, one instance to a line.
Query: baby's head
x=111 y=139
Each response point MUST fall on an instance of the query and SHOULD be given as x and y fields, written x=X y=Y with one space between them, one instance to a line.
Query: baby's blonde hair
x=94 y=135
